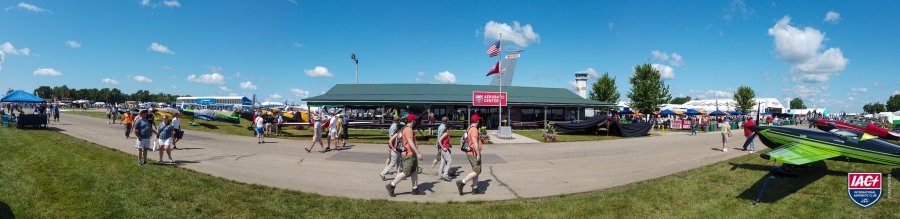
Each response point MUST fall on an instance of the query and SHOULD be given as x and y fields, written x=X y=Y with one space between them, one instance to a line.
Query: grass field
x=370 y=136
x=45 y=174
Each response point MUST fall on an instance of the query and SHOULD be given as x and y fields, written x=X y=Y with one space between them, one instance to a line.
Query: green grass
x=45 y=174
x=369 y=136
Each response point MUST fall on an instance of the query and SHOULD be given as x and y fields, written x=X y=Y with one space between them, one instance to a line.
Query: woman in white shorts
x=166 y=132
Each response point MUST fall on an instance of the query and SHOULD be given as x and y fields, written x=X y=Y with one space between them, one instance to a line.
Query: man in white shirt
x=332 y=131
x=259 y=129
x=176 y=123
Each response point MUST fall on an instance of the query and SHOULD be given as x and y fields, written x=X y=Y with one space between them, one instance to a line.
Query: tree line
x=108 y=95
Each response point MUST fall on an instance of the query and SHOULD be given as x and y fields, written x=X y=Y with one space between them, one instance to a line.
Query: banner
x=481 y=98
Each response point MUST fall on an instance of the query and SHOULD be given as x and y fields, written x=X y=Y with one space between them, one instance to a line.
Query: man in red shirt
x=747 y=133
x=410 y=157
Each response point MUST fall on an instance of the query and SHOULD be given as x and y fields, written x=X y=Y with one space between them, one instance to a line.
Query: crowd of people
x=152 y=137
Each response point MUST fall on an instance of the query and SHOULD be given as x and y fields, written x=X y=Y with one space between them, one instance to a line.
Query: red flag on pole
x=495 y=70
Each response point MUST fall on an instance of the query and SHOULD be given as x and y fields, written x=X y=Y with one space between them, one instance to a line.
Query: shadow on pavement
x=6 y=211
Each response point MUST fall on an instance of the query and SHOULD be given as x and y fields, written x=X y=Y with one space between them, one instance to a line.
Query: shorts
x=142 y=144
x=410 y=164
x=167 y=141
x=179 y=134
x=56 y=115
x=476 y=164
x=724 y=138
x=259 y=130
x=333 y=134
x=344 y=134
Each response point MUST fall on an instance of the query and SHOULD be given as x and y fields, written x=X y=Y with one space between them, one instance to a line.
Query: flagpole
x=500 y=76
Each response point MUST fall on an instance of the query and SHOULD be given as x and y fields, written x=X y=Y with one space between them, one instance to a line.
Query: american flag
x=494 y=50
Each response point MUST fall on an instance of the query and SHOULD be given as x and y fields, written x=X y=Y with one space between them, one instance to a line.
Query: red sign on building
x=480 y=98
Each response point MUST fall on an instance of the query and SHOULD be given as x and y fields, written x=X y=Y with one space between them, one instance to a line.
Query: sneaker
x=171 y=161
x=724 y=149
x=416 y=191
x=140 y=163
x=308 y=151
x=159 y=161
x=390 y=189
x=459 y=186
x=382 y=177
x=477 y=191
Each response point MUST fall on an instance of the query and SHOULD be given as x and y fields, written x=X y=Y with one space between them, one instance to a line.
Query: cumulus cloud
x=800 y=48
x=247 y=85
x=445 y=77
x=674 y=59
x=171 y=3
x=31 y=8
x=142 y=79
x=109 y=81
x=299 y=93
x=318 y=71
x=160 y=48
x=212 y=78
x=592 y=73
x=224 y=89
x=515 y=33
x=73 y=44
x=47 y=72
x=275 y=96
x=832 y=17
x=665 y=71
x=8 y=48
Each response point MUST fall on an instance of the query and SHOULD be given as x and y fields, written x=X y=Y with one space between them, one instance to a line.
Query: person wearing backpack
x=393 y=142
x=471 y=144
x=410 y=157
x=444 y=150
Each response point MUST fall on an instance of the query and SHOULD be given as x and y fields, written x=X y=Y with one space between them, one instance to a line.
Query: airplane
x=212 y=115
x=872 y=129
x=799 y=147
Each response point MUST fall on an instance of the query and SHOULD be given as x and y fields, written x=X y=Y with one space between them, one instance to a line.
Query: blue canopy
x=693 y=112
x=21 y=97
x=667 y=112
x=717 y=113
x=626 y=111
x=735 y=113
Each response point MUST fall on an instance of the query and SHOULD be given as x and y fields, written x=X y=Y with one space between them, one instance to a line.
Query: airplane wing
x=798 y=154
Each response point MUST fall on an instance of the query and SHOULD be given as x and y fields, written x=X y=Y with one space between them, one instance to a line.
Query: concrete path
x=510 y=171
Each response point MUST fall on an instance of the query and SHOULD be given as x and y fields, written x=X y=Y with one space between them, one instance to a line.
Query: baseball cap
x=475 y=117
x=410 y=117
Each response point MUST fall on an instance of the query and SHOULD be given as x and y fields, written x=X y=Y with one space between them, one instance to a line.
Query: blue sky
x=292 y=49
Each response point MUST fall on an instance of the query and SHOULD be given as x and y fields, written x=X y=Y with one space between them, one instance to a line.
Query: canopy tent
x=717 y=113
x=20 y=96
x=735 y=113
x=693 y=112
x=626 y=111
x=667 y=112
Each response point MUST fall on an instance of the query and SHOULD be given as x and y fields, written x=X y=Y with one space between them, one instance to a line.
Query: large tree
x=893 y=103
x=604 y=90
x=648 y=90
x=744 y=98
x=873 y=108
x=797 y=103
x=44 y=92
x=680 y=100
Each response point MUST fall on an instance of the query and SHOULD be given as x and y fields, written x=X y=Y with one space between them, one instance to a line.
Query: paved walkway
x=510 y=171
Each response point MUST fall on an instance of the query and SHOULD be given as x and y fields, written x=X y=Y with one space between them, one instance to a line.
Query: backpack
x=398 y=144
x=464 y=141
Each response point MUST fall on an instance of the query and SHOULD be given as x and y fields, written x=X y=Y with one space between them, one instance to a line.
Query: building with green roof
x=526 y=106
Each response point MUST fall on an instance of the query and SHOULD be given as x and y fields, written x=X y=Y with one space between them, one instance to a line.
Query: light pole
x=353 y=57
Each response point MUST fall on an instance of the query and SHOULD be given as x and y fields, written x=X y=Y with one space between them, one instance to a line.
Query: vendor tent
x=717 y=113
x=735 y=113
x=20 y=96
x=667 y=112
x=693 y=112
x=626 y=111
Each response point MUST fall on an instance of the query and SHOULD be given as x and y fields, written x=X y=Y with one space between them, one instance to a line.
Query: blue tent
x=667 y=112
x=693 y=112
x=735 y=113
x=20 y=96
x=717 y=113
x=626 y=111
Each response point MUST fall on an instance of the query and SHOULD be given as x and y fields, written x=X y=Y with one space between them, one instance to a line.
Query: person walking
x=332 y=130
x=143 y=130
x=437 y=142
x=316 y=135
x=56 y=113
x=166 y=133
x=345 y=129
x=724 y=130
x=259 y=129
x=747 y=133
x=473 y=141
x=127 y=120
x=693 y=126
x=279 y=121
x=410 y=157
x=444 y=150
x=108 y=114
x=115 y=113
x=176 y=124
x=393 y=162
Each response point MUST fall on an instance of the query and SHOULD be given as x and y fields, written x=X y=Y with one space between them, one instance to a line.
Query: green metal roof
x=386 y=94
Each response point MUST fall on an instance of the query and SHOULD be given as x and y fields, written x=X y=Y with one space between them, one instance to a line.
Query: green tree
x=797 y=103
x=680 y=100
x=44 y=92
x=648 y=90
x=744 y=98
x=604 y=90
x=873 y=108
x=893 y=103
x=141 y=95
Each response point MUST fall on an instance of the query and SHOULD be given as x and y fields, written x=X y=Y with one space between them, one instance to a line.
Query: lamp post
x=353 y=57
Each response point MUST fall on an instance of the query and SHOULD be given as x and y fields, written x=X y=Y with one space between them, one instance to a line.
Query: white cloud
x=801 y=49
x=573 y=85
x=73 y=44
x=247 y=85
x=47 y=72
x=171 y=3
x=318 y=71
x=8 y=48
x=300 y=93
x=659 y=55
x=109 y=81
x=213 y=78
x=224 y=89
x=737 y=8
x=142 y=79
x=860 y=90
x=592 y=73
x=275 y=96
x=896 y=92
x=674 y=59
x=445 y=77
x=419 y=76
x=31 y=8
x=803 y=91
x=145 y=2
x=160 y=48
x=516 y=33
x=298 y=45
x=665 y=71
x=832 y=17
